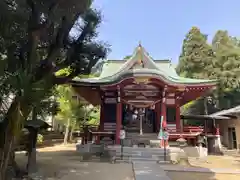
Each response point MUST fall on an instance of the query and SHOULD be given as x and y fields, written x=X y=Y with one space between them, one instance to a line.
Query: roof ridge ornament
x=139 y=44
x=140 y=50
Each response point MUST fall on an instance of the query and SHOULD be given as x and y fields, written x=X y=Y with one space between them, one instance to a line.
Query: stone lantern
x=200 y=141
x=182 y=142
x=181 y=156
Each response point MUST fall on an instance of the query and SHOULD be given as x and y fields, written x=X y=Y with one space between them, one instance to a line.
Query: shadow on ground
x=66 y=164
x=196 y=172
x=63 y=162
x=181 y=175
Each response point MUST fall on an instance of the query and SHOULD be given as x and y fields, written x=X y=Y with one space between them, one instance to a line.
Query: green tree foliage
x=37 y=39
x=195 y=62
x=220 y=61
x=127 y=57
x=90 y=117
x=72 y=112
x=196 y=55
x=226 y=68
x=69 y=109
x=227 y=62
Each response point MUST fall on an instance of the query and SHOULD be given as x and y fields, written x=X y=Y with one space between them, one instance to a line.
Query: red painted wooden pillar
x=102 y=118
x=101 y=123
x=164 y=113
x=118 y=116
x=178 y=118
x=118 y=122
x=158 y=116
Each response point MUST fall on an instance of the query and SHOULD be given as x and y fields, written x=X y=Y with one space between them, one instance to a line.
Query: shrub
x=39 y=139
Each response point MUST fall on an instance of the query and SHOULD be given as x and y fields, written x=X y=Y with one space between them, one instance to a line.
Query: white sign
x=122 y=134
x=165 y=135
x=110 y=100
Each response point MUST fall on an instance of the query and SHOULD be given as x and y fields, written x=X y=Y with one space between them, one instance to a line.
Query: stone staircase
x=133 y=136
x=141 y=154
x=133 y=127
x=135 y=139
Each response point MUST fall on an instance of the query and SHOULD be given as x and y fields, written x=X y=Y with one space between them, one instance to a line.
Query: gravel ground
x=211 y=162
x=64 y=163
x=201 y=176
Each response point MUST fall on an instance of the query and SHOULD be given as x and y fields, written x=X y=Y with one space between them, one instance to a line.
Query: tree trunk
x=32 y=152
x=71 y=134
x=10 y=128
x=66 y=132
x=32 y=160
x=5 y=157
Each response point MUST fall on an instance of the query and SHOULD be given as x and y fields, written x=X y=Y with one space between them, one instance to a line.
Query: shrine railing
x=194 y=129
x=172 y=128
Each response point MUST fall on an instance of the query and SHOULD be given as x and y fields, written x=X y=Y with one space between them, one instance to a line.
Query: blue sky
x=161 y=25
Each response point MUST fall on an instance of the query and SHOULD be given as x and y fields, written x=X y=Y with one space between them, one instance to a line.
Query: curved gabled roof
x=140 y=64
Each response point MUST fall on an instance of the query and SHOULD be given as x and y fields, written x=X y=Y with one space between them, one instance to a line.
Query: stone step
x=156 y=159
x=140 y=159
x=132 y=130
x=144 y=136
x=141 y=154
x=145 y=154
x=149 y=171
x=142 y=149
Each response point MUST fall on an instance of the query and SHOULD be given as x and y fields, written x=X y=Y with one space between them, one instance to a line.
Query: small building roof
x=139 y=64
x=228 y=112
x=205 y=117
x=36 y=124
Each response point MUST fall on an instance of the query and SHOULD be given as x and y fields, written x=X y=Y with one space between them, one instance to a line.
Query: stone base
x=214 y=144
x=196 y=152
x=32 y=162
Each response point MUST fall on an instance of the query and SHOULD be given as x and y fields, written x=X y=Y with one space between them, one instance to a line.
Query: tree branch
x=48 y=65
x=35 y=28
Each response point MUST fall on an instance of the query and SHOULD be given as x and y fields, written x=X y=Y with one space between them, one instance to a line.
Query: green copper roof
x=140 y=64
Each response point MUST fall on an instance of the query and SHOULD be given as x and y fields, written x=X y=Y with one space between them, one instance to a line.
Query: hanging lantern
x=152 y=107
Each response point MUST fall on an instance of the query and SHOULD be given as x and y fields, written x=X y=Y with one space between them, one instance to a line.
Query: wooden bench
x=192 y=129
x=171 y=128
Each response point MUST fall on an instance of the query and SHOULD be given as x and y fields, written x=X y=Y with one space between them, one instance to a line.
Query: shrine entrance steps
x=134 y=127
x=146 y=139
x=141 y=154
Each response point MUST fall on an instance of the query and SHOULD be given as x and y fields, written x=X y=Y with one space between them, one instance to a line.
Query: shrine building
x=145 y=83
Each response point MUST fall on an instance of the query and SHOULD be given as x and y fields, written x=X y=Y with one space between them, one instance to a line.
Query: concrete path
x=200 y=169
x=153 y=171
x=99 y=171
x=149 y=171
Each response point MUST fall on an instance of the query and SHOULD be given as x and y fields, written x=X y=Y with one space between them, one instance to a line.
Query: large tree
x=196 y=55
x=221 y=63
x=38 y=38
x=195 y=61
x=226 y=68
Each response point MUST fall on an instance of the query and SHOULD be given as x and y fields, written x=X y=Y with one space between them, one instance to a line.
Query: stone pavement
x=149 y=171
x=200 y=169
x=153 y=171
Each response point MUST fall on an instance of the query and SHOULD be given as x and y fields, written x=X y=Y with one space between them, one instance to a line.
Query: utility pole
x=205 y=121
